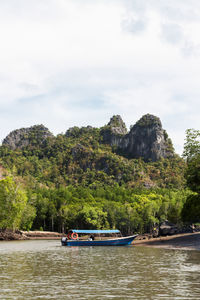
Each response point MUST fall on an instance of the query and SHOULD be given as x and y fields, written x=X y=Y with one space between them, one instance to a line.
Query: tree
x=193 y=174
x=191 y=208
x=93 y=217
x=192 y=154
x=192 y=144
x=146 y=208
x=12 y=204
x=28 y=217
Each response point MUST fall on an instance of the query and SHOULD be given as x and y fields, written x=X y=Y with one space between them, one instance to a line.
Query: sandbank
x=187 y=241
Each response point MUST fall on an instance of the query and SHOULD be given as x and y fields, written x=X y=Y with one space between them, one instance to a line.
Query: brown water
x=46 y=270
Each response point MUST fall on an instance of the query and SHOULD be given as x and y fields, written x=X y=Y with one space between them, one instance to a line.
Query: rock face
x=23 y=137
x=117 y=125
x=146 y=139
x=114 y=132
x=167 y=228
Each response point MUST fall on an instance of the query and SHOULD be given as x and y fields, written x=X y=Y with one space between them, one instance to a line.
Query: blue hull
x=111 y=242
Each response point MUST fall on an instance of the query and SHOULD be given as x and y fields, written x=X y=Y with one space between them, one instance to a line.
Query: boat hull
x=111 y=242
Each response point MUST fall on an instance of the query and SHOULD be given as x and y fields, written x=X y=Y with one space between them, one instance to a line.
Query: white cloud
x=172 y=33
x=74 y=62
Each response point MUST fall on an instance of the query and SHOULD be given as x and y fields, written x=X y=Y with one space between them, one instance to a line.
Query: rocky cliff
x=114 y=131
x=24 y=137
x=146 y=139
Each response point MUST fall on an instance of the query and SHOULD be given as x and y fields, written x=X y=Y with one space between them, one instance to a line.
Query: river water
x=46 y=270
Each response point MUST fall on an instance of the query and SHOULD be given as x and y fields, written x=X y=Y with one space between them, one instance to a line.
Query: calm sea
x=46 y=270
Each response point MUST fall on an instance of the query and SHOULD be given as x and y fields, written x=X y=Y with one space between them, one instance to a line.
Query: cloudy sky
x=78 y=62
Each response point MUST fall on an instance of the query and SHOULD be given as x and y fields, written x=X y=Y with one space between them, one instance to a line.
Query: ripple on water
x=45 y=270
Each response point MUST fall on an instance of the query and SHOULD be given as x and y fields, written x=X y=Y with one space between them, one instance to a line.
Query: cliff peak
x=149 y=120
x=117 y=125
x=23 y=137
x=147 y=139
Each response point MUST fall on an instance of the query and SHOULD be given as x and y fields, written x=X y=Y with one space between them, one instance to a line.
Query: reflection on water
x=46 y=270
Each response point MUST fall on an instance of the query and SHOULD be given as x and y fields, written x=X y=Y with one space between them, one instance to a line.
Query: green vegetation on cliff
x=81 y=158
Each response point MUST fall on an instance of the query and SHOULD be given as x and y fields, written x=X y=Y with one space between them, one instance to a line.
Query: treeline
x=102 y=207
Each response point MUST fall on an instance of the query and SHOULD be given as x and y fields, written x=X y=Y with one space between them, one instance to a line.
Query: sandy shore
x=37 y=235
x=9 y=235
x=187 y=241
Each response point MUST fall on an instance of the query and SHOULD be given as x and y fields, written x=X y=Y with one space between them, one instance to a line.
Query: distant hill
x=144 y=156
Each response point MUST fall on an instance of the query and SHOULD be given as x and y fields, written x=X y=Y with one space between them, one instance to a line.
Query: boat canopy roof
x=95 y=231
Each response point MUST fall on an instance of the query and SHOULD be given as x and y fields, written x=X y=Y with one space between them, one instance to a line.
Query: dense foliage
x=81 y=158
x=15 y=212
x=75 y=180
x=129 y=210
x=191 y=209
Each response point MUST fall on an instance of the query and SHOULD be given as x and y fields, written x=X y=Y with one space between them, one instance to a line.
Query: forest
x=77 y=181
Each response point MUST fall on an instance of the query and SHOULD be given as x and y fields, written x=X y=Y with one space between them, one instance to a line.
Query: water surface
x=46 y=270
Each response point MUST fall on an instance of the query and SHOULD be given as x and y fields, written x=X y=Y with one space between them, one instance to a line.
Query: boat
x=73 y=239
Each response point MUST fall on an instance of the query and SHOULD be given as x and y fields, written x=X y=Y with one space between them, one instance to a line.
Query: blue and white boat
x=73 y=239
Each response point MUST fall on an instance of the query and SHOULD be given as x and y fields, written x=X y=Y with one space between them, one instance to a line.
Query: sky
x=67 y=63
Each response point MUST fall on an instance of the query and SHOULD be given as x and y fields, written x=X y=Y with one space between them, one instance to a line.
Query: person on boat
x=91 y=238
